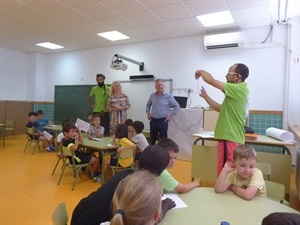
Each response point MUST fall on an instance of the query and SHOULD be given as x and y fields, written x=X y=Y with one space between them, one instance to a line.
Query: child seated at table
x=95 y=130
x=241 y=176
x=72 y=139
x=121 y=139
x=166 y=179
x=38 y=135
x=137 y=200
x=129 y=123
x=89 y=117
x=139 y=138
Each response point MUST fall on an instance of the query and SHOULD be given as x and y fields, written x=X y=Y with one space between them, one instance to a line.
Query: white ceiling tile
x=72 y=17
x=240 y=4
x=51 y=22
x=189 y=23
x=158 y=28
x=206 y=6
x=172 y=12
x=96 y=11
x=117 y=23
x=45 y=5
x=156 y=4
x=10 y=17
x=142 y=18
x=74 y=3
x=93 y=27
x=17 y=7
x=124 y=7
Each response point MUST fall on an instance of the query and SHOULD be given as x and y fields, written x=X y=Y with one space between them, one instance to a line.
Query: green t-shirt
x=167 y=181
x=232 y=117
x=101 y=95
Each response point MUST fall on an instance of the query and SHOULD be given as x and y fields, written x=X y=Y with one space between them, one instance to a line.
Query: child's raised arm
x=221 y=185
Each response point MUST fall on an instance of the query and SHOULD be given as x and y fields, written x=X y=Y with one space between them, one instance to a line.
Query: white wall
x=176 y=58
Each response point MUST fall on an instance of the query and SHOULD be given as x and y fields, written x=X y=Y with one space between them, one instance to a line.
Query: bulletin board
x=71 y=101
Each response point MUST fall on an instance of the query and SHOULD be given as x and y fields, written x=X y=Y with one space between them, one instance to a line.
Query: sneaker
x=52 y=149
x=98 y=178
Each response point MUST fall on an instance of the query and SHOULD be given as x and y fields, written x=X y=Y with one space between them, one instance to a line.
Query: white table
x=208 y=208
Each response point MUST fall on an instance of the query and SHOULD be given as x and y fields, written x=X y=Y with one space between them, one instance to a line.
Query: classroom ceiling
x=74 y=24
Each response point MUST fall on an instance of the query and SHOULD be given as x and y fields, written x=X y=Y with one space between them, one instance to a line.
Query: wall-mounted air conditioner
x=223 y=41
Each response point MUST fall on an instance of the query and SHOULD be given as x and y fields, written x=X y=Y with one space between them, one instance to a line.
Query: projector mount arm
x=120 y=57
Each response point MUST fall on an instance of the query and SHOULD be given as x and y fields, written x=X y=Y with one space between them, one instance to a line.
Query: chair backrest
x=275 y=190
x=265 y=168
x=204 y=163
x=60 y=215
x=30 y=131
x=10 y=123
x=126 y=153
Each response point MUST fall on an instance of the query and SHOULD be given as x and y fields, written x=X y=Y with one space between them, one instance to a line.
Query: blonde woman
x=137 y=200
x=118 y=104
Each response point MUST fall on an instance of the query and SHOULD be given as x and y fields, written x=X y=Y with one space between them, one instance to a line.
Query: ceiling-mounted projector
x=118 y=65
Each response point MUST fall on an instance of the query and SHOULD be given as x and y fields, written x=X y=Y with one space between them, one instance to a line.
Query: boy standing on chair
x=72 y=139
x=32 y=116
x=241 y=176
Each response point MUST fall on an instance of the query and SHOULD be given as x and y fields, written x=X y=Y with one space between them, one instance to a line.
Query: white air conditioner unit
x=223 y=41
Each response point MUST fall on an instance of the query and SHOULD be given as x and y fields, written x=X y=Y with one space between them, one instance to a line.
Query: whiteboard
x=138 y=93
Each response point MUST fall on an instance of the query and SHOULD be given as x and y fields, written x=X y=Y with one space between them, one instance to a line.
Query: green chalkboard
x=71 y=101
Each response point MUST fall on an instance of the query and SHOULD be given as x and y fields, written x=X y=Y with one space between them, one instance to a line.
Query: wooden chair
x=10 y=126
x=72 y=165
x=31 y=138
x=61 y=157
x=265 y=168
x=126 y=153
x=60 y=215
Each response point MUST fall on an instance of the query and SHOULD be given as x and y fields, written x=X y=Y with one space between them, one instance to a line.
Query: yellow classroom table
x=205 y=207
x=103 y=146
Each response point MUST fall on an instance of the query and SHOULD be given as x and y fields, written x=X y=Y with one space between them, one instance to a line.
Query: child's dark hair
x=168 y=144
x=129 y=122
x=67 y=127
x=138 y=126
x=89 y=114
x=281 y=218
x=40 y=112
x=32 y=114
x=65 y=121
x=121 y=131
x=96 y=116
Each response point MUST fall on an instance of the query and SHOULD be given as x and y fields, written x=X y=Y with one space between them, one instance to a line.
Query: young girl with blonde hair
x=137 y=200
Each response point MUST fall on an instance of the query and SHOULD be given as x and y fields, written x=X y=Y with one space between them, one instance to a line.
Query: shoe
x=98 y=178
x=52 y=149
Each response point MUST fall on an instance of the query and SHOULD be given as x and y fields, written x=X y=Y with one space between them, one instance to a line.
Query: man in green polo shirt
x=98 y=99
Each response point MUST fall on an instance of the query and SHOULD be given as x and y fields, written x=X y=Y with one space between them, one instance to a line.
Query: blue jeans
x=158 y=129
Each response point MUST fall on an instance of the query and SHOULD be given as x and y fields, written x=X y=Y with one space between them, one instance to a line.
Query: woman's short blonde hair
x=111 y=91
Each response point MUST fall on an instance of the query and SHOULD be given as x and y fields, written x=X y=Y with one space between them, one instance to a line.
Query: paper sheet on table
x=96 y=139
x=176 y=199
x=47 y=135
x=84 y=126
x=205 y=134
x=282 y=135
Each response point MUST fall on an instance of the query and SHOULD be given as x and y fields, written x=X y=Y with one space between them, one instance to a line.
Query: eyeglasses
x=231 y=73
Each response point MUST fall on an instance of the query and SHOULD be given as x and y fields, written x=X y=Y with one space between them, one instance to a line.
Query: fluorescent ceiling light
x=215 y=19
x=113 y=35
x=49 y=45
